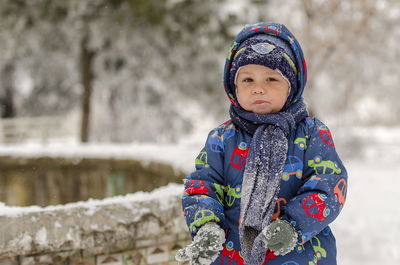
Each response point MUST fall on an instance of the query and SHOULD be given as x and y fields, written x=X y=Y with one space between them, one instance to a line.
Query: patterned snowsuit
x=312 y=193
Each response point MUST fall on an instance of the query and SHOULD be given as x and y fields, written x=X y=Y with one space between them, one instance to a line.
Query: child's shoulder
x=311 y=124
x=224 y=131
x=227 y=125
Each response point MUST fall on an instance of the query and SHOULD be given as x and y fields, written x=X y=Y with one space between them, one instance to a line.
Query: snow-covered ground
x=367 y=231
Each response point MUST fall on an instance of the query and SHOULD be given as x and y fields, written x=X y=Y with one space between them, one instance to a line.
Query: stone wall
x=141 y=228
x=46 y=181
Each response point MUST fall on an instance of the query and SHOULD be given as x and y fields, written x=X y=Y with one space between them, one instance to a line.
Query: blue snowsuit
x=312 y=192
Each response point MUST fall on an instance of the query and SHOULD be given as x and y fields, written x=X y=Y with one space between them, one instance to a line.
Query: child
x=268 y=182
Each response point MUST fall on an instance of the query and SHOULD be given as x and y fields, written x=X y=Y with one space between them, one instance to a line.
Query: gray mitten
x=280 y=237
x=205 y=246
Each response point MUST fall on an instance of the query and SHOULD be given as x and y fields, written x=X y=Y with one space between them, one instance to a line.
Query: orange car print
x=340 y=191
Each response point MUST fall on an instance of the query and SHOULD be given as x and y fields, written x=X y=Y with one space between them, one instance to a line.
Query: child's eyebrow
x=273 y=73
x=245 y=72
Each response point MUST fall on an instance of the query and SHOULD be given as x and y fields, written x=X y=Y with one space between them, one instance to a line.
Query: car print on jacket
x=216 y=139
x=232 y=194
x=203 y=216
x=201 y=160
x=319 y=252
x=325 y=135
x=340 y=191
x=195 y=186
x=220 y=193
x=307 y=236
x=314 y=206
x=227 y=195
x=301 y=143
x=322 y=166
x=239 y=156
x=294 y=167
x=280 y=203
x=311 y=183
x=229 y=254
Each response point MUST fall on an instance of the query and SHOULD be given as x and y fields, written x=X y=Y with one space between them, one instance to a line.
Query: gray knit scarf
x=263 y=171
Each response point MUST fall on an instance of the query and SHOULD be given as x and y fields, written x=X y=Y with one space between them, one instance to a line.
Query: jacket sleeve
x=322 y=193
x=203 y=197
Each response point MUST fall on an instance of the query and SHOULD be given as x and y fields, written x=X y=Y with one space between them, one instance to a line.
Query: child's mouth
x=259 y=102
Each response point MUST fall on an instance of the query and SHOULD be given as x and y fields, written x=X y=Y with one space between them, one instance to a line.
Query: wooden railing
x=47 y=181
x=42 y=129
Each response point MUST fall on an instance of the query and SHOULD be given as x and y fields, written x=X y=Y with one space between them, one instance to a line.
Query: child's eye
x=248 y=79
x=272 y=79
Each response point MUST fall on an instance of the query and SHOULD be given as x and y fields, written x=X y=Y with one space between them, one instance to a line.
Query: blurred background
x=127 y=69
x=142 y=80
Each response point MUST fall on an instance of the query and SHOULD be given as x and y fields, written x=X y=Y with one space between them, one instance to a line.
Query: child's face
x=261 y=89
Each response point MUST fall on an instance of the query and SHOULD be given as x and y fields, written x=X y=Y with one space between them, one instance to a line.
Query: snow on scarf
x=263 y=172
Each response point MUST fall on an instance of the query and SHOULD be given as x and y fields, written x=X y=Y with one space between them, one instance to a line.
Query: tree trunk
x=7 y=97
x=86 y=60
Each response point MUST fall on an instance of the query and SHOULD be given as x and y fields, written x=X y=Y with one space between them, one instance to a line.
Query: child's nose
x=258 y=90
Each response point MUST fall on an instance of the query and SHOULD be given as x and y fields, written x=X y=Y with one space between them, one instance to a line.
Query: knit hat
x=269 y=51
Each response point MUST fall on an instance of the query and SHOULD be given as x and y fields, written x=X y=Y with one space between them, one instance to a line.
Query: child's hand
x=205 y=246
x=280 y=237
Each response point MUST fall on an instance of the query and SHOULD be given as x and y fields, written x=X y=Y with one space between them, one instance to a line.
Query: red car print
x=239 y=156
x=230 y=254
x=195 y=186
x=326 y=136
x=314 y=206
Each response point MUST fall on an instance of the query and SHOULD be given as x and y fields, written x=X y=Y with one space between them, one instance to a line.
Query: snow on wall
x=181 y=156
x=97 y=226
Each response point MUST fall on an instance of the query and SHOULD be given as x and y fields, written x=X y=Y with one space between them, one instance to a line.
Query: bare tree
x=7 y=91
x=350 y=51
x=121 y=63
x=86 y=59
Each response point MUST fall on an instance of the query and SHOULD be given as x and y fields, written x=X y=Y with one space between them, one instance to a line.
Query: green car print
x=202 y=217
x=232 y=194
x=219 y=191
x=301 y=143
x=201 y=159
x=319 y=252
x=227 y=194
x=320 y=166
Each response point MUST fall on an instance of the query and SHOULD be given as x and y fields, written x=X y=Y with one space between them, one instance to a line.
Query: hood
x=273 y=29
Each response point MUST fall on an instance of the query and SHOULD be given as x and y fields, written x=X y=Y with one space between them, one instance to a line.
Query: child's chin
x=262 y=111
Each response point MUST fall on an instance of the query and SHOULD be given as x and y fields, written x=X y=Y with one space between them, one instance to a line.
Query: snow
x=367 y=231
x=181 y=155
x=158 y=194
x=41 y=236
x=24 y=241
x=145 y=152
